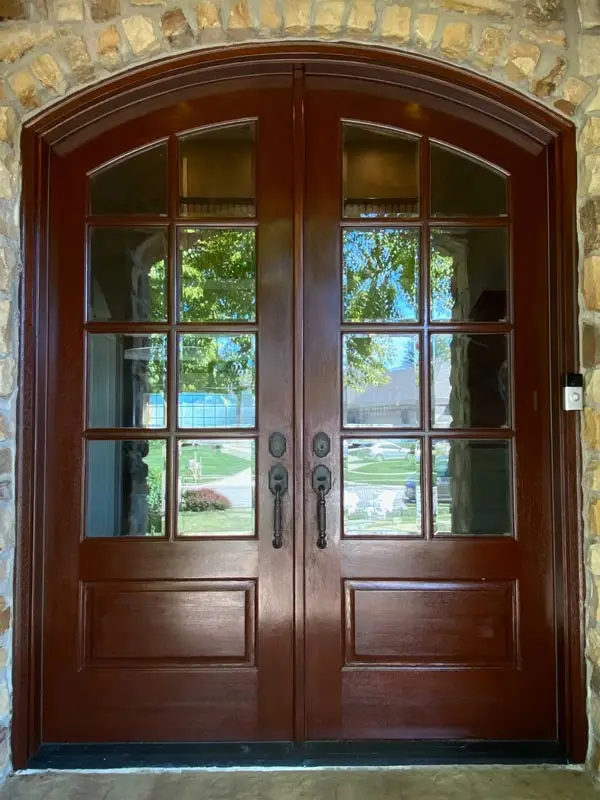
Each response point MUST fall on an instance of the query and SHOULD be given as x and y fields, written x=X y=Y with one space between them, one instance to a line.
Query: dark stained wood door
x=429 y=614
x=400 y=586
x=168 y=612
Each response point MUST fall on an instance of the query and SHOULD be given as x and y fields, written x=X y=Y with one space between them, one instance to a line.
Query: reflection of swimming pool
x=204 y=410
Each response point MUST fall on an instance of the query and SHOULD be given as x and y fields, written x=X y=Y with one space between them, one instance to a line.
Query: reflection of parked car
x=441 y=479
x=384 y=450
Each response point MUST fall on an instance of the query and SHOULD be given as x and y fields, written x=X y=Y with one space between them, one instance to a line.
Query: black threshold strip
x=288 y=754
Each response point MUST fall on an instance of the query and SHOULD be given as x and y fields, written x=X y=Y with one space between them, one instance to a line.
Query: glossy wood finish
x=392 y=79
x=369 y=689
x=155 y=639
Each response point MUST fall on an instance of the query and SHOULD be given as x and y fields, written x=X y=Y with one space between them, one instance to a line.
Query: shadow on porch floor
x=419 y=783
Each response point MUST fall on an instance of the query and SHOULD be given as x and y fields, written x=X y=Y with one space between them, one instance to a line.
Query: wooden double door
x=298 y=478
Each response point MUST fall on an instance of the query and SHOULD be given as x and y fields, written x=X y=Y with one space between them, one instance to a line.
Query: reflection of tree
x=216 y=282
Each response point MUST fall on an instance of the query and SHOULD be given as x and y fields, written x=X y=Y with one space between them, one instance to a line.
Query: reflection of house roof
x=401 y=390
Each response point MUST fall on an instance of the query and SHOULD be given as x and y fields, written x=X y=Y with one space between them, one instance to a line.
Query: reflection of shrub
x=155 y=500
x=204 y=500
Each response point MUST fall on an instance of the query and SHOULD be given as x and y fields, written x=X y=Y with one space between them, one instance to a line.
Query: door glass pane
x=127 y=274
x=216 y=487
x=470 y=381
x=472 y=487
x=136 y=184
x=381 y=380
x=462 y=186
x=217 y=275
x=381 y=275
x=217 y=172
x=126 y=488
x=217 y=381
x=127 y=379
x=382 y=487
x=381 y=172
x=469 y=274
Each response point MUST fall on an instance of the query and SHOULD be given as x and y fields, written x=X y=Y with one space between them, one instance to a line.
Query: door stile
x=299 y=508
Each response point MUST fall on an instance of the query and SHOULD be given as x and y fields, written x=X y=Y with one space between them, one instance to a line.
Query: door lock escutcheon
x=321 y=444
x=277 y=445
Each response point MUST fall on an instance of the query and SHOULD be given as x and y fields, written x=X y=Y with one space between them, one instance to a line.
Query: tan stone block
x=16 y=41
x=269 y=14
x=5 y=331
x=101 y=10
x=589 y=55
x=592 y=386
x=4 y=617
x=363 y=16
x=4 y=700
x=13 y=9
x=591 y=180
x=68 y=10
x=147 y=2
x=522 y=60
x=7 y=377
x=6 y=428
x=589 y=221
x=49 y=74
x=75 y=51
x=395 y=23
x=207 y=15
x=140 y=35
x=545 y=10
x=493 y=41
x=501 y=8
x=296 y=16
x=575 y=91
x=594 y=559
x=591 y=428
x=593 y=645
x=23 y=85
x=329 y=15
x=589 y=13
x=591 y=283
x=594 y=104
x=590 y=345
x=240 y=17
x=590 y=135
x=176 y=28
x=456 y=39
x=545 y=36
x=8 y=124
x=108 y=46
x=594 y=518
x=546 y=86
x=425 y=25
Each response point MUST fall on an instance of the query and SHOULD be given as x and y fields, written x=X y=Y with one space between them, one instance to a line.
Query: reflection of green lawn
x=215 y=463
x=203 y=523
x=393 y=471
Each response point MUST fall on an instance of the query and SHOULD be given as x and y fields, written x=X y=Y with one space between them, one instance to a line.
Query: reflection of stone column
x=135 y=489
x=143 y=258
x=459 y=401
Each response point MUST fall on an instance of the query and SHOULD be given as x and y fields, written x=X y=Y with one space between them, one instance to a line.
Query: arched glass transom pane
x=381 y=172
x=217 y=172
x=462 y=186
x=136 y=184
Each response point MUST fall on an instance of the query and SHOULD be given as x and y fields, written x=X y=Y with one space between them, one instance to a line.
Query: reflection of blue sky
x=359 y=248
x=395 y=351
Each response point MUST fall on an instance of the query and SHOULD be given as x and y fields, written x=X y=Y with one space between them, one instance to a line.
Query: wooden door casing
x=53 y=128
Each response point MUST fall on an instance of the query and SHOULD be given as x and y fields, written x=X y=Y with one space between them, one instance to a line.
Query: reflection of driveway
x=237 y=488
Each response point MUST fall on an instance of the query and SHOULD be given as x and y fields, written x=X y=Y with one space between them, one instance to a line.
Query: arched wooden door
x=298 y=475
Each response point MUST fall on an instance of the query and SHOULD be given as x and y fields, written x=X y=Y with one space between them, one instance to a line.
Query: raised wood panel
x=431 y=623
x=157 y=623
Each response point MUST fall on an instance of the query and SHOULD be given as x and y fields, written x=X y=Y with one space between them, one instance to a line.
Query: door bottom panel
x=290 y=754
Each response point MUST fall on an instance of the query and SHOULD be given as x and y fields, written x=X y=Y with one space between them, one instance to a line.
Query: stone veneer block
x=395 y=23
x=500 y=8
x=362 y=16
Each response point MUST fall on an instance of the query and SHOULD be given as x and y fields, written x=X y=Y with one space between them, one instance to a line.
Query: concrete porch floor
x=415 y=783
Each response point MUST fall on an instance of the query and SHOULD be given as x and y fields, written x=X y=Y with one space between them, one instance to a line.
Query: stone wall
x=548 y=49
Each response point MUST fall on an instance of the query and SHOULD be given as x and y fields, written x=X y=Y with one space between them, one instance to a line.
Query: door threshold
x=225 y=755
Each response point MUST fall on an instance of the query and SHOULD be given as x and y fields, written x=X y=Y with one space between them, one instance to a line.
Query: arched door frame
x=101 y=107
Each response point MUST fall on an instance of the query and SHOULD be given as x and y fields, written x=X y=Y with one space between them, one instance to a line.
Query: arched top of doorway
x=406 y=76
